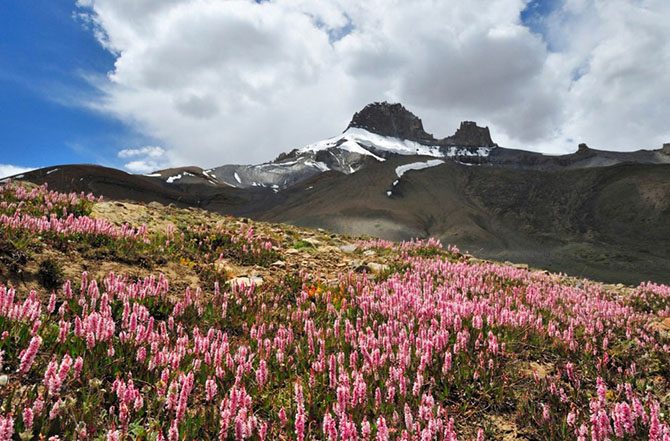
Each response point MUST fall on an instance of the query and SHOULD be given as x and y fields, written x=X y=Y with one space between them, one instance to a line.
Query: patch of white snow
x=209 y=174
x=392 y=145
x=171 y=179
x=401 y=170
x=320 y=165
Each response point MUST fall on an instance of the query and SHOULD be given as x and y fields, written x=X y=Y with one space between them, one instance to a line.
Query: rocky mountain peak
x=583 y=148
x=394 y=120
x=391 y=119
x=469 y=134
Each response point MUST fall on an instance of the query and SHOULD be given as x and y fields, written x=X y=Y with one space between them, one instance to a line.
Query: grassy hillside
x=124 y=321
x=610 y=224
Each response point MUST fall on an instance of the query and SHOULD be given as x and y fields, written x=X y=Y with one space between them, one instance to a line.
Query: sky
x=148 y=84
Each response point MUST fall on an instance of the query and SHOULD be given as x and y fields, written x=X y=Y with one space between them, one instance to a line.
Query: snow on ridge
x=345 y=141
x=171 y=179
x=390 y=144
x=363 y=142
x=359 y=141
x=464 y=151
x=209 y=175
x=317 y=164
x=402 y=169
x=354 y=147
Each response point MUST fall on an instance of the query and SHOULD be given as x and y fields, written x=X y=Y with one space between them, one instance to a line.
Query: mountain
x=383 y=130
x=394 y=121
x=376 y=132
x=592 y=213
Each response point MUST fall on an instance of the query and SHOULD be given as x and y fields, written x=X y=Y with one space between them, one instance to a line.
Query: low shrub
x=50 y=274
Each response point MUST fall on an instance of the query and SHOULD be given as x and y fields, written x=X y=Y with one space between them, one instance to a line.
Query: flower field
x=433 y=347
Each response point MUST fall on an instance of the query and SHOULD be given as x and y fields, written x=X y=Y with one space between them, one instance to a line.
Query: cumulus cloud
x=240 y=81
x=618 y=63
x=148 y=151
x=144 y=159
x=7 y=170
x=142 y=166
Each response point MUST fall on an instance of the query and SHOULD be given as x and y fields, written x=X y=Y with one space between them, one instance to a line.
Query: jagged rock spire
x=388 y=119
x=469 y=134
x=393 y=119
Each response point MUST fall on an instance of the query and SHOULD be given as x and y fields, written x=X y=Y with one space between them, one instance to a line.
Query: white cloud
x=142 y=166
x=239 y=81
x=618 y=63
x=144 y=159
x=7 y=170
x=148 y=151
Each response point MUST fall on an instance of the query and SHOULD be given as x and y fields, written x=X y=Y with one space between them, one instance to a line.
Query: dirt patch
x=505 y=428
x=533 y=368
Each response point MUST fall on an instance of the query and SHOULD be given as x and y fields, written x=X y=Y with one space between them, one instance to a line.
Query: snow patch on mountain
x=402 y=169
x=348 y=142
x=346 y=153
x=482 y=152
x=317 y=164
x=387 y=144
x=179 y=176
x=363 y=142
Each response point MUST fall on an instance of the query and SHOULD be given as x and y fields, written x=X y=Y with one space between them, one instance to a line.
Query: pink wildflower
x=6 y=428
x=382 y=430
x=28 y=355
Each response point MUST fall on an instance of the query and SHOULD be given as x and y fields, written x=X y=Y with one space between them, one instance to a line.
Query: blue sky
x=45 y=56
x=535 y=11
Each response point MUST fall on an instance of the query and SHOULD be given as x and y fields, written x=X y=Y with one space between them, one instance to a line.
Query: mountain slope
x=612 y=223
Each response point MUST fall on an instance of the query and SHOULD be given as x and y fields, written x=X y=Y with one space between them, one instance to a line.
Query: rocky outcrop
x=469 y=134
x=395 y=120
x=583 y=149
x=666 y=148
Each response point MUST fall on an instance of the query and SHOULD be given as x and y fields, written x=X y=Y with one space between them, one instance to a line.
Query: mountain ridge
x=381 y=130
x=394 y=120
